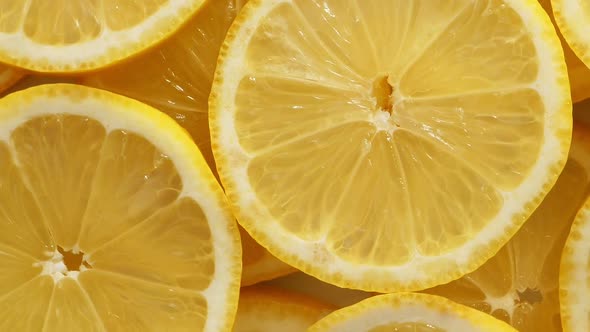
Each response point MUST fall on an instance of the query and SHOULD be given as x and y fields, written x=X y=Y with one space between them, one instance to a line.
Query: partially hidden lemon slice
x=264 y=309
x=573 y=19
x=408 y=312
x=176 y=78
x=389 y=145
x=579 y=73
x=574 y=276
x=73 y=36
x=110 y=219
x=520 y=283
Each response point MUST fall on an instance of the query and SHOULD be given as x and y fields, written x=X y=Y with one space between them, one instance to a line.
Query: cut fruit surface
x=389 y=153
x=110 y=219
x=65 y=36
x=579 y=73
x=408 y=312
x=176 y=78
x=520 y=283
x=263 y=309
x=574 y=275
x=573 y=19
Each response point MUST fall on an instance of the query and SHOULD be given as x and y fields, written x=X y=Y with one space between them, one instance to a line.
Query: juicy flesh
x=66 y=22
x=91 y=219
x=362 y=119
x=520 y=284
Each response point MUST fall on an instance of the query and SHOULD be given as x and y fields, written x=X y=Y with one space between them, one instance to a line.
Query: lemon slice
x=579 y=73
x=573 y=19
x=574 y=287
x=526 y=294
x=263 y=309
x=176 y=78
x=408 y=312
x=73 y=36
x=110 y=219
x=389 y=145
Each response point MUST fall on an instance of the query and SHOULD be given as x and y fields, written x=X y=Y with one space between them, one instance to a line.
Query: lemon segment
x=70 y=308
x=110 y=293
x=173 y=258
x=34 y=297
x=60 y=169
x=377 y=155
x=17 y=269
x=29 y=237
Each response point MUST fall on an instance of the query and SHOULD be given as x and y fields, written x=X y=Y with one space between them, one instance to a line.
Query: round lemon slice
x=520 y=284
x=73 y=36
x=574 y=286
x=110 y=219
x=176 y=77
x=408 y=312
x=389 y=145
x=273 y=309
